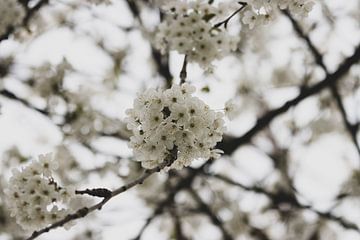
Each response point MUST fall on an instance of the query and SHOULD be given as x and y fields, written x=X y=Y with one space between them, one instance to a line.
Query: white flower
x=196 y=125
x=184 y=137
x=181 y=44
x=216 y=153
x=165 y=137
x=151 y=120
x=187 y=89
x=301 y=8
x=133 y=119
x=179 y=113
x=47 y=163
x=184 y=123
x=251 y=19
x=173 y=96
x=232 y=110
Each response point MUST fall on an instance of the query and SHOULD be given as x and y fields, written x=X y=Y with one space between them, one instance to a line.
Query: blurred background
x=69 y=72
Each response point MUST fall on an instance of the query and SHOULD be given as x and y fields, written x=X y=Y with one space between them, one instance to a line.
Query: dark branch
x=226 y=21
x=183 y=73
x=95 y=192
x=179 y=233
x=162 y=63
x=12 y=96
x=203 y=207
x=184 y=183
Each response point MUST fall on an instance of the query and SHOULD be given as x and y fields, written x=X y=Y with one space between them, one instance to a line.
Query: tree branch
x=226 y=21
x=12 y=96
x=184 y=183
x=95 y=192
x=86 y=210
x=183 y=73
x=203 y=207
x=179 y=233
x=231 y=144
x=282 y=197
x=351 y=128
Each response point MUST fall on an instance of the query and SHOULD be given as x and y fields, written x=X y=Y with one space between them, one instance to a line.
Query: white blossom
x=189 y=29
x=251 y=19
x=183 y=123
x=260 y=12
x=301 y=7
x=33 y=196
x=232 y=110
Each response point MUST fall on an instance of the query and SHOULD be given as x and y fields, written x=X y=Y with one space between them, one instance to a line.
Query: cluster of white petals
x=189 y=29
x=11 y=14
x=34 y=198
x=260 y=12
x=164 y=121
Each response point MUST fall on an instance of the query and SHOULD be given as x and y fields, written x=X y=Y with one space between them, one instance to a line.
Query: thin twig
x=12 y=96
x=184 y=183
x=95 y=192
x=183 y=72
x=179 y=233
x=226 y=21
x=208 y=211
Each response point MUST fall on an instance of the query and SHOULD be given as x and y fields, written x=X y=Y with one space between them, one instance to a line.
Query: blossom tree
x=179 y=119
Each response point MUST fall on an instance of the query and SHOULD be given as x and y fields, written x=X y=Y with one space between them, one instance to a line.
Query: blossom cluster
x=189 y=28
x=262 y=12
x=34 y=198
x=164 y=121
x=11 y=14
